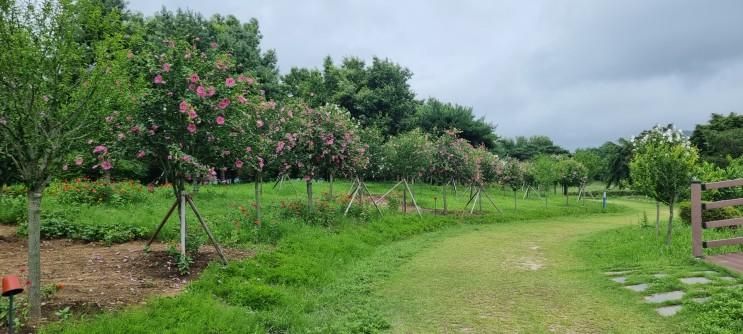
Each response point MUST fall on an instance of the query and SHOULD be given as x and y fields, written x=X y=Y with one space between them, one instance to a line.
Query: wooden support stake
x=353 y=197
x=388 y=192
x=165 y=220
x=206 y=229
x=413 y=198
x=370 y=196
x=182 y=216
x=492 y=202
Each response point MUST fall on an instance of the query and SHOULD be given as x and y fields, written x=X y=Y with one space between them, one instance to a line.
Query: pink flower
x=106 y=165
x=158 y=79
x=186 y=158
x=229 y=82
x=100 y=149
x=238 y=163
x=166 y=67
x=280 y=146
x=211 y=91
x=242 y=99
x=78 y=161
x=140 y=154
x=192 y=114
x=183 y=106
x=220 y=120
x=250 y=81
x=191 y=128
x=194 y=78
x=242 y=78
x=224 y=103
x=135 y=129
x=260 y=163
x=259 y=123
x=201 y=91
x=329 y=139
x=248 y=149
x=213 y=45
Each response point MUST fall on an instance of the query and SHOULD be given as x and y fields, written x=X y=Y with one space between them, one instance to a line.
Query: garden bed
x=89 y=277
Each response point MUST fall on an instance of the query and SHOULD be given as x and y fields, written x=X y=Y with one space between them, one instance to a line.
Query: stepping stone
x=668 y=311
x=695 y=280
x=637 y=287
x=701 y=300
x=664 y=297
x=620 y=280
x=616 y=273
x=710 y=272
x=660 y=275
x=727 y=278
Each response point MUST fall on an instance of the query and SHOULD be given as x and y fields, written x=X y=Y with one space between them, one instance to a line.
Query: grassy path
x=515 y=278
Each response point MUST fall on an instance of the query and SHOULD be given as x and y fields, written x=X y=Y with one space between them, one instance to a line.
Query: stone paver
x=701 y=300
x=668 y=311
x=637 y=287
x=619 y=279
x=660 y=275
x=695 y=280
x=664 y=297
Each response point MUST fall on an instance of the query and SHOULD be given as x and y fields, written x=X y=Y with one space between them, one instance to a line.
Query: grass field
x=532 y=270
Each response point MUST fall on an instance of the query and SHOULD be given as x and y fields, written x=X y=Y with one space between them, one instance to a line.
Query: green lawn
x=532 y=270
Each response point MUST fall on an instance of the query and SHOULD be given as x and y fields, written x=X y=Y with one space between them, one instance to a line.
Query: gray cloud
x=581 y=72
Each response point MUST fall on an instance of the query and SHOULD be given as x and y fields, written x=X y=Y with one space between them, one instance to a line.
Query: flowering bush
x=452 y=158
x=512 y=175
x=408 y=155
x=81 y=191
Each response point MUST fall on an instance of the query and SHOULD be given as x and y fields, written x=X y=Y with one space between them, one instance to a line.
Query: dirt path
x=90 y=277
x=513 y=278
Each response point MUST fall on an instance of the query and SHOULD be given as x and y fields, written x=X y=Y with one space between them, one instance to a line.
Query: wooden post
x=412 y=197
x=372 y=198
x=206 y=229
x=182 y=216
x=353 y=197
x=165 y=220
x=405 y=201
x=443 y=198
x=696 y=218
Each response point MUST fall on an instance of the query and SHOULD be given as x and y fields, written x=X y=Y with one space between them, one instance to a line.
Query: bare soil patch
x=92 y=277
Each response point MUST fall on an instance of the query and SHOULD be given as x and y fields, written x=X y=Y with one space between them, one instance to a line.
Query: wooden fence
x=698 y=225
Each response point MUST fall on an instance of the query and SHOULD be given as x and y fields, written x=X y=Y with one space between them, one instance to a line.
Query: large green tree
x=662 y=167
x=435 y=117
x=526 y=148
x=62 y=66
x=721 y=137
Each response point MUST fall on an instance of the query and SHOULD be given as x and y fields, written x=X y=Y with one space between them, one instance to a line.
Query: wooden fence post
x=696 y=218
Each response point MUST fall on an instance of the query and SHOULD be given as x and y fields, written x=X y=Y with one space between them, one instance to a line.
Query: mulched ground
x=93 y=277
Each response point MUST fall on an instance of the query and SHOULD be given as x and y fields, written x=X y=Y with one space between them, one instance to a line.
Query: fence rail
x=697 y=207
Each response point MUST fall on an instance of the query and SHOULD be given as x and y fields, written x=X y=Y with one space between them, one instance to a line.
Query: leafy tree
x=452 y=161
x=56 y=82
x=570 y=173
x=662 y=167
x=618 y=156
x=544 y=169
x=408 y=155
x=435 y=117
x=512 y=176
x=524 y=148
x=328 y=143
x=720 y=138
x=594 y=162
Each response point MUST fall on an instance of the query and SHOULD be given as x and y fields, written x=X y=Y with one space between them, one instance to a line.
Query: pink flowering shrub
x=452 y=158
x=408 y=155
x=187 y=122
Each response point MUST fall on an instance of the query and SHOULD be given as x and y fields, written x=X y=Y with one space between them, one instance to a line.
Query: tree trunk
x=34 y=254
x=309 y=196
x=258 y=191
x=405 y=200
x=657 y=218
x=444 y=198
x=331 y=185
x=670 y=224
x=545 y=197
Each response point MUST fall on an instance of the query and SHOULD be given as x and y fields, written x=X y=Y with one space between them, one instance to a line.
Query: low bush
x=12 y=208
x=81 y=191
x=60 y=225
x=708 y=215
x=723 y=314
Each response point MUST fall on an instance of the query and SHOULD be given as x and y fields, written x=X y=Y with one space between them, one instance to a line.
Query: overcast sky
x=581 y=72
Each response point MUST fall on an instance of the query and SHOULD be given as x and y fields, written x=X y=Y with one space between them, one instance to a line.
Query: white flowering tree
x=662 y=167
